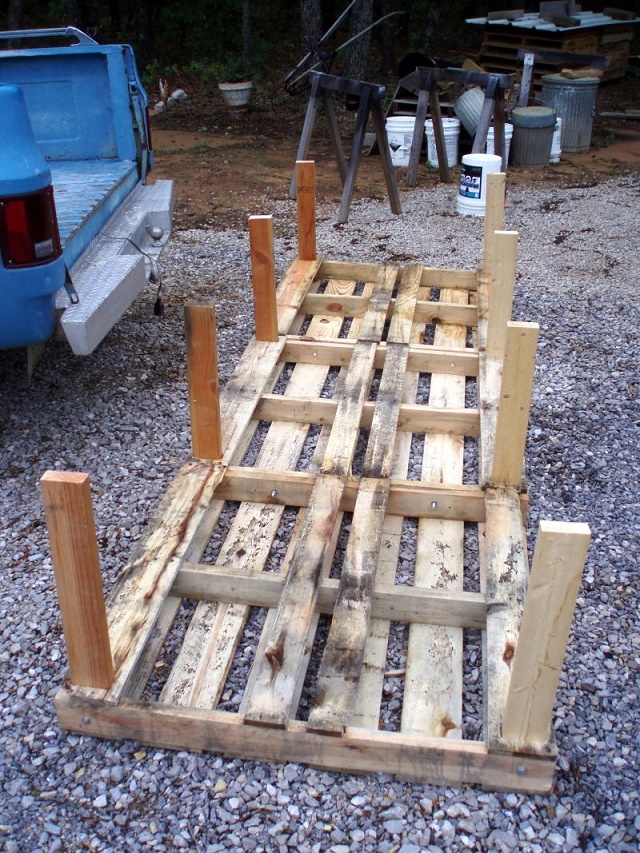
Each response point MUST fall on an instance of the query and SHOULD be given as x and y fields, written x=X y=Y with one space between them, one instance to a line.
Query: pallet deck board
x=353 y=502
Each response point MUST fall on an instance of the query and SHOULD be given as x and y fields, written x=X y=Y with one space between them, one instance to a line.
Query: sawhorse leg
x=385 y=157
x=492 y=107
x=428 y=95
x=307 y=130
x=354 y=159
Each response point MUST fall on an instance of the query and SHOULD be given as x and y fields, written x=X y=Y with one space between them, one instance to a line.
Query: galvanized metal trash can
x=575 y=102
x=532 y=135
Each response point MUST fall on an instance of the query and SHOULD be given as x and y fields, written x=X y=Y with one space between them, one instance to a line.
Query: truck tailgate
x=87 y=193
x=111 y=271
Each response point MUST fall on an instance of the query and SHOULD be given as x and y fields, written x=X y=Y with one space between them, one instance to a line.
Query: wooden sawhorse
x=423 y=82
x=370 y=95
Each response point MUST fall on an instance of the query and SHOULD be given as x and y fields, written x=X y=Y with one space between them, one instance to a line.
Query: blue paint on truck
x=75 y=207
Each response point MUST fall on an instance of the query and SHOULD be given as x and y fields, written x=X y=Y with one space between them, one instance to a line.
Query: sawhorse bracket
x=370 y=95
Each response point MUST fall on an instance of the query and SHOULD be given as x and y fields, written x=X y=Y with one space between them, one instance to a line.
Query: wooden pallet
x=500 y=46
x=218 y=637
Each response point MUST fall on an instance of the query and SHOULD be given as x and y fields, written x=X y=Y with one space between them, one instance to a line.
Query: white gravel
x=121 y=415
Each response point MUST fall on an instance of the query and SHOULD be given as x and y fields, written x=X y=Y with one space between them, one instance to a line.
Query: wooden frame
x=465 y=540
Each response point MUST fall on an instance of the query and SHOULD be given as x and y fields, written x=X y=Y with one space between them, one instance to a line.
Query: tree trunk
x=73 y=13
x=246 y=35
x=355 y=61
x=143 y=51
x=114 y=14
x=14 y=17
x=388 y=38
x=310 y=23
x=431 y=30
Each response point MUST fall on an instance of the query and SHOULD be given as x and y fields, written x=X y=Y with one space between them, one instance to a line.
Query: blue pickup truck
x=80 y=227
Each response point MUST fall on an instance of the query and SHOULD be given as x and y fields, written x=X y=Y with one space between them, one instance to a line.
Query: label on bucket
x=470 y=181
x=399 y=140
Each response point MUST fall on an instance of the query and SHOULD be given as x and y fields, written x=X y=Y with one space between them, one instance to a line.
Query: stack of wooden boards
x=361 y=471
x=607 y=34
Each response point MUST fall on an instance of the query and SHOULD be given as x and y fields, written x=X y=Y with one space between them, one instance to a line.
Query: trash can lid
x=559 y=80
x=533 y=117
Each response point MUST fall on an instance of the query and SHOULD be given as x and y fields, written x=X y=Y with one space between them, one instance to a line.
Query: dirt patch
x=226 y=169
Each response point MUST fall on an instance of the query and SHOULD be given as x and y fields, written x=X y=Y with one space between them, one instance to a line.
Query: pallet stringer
x=359 y=519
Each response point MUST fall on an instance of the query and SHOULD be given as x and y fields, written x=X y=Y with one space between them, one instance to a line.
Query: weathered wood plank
x=341 y=663
x=406 y=497
x=358 y=751
x=558 y=561
x=366 y=710
x=422 y=358
x=502 y=288
x=200 y=672
x=277 y=672
x=516 y=387
x=136 y=599
x=346 y=428
x=356 y=306
x=433 y=684
x=493 y=220
x=411 y=418
x=313 y=467
x=255 y=588
x=255 y=374
x=504 y=566
x=431 y=276
x=292 y=290
x=342 y=659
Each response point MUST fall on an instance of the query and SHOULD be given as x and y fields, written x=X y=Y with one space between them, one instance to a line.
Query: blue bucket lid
x=23 y=168
x=533 y=117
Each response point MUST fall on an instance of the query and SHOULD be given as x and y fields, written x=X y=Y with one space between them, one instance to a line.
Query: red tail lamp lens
x=29 y=230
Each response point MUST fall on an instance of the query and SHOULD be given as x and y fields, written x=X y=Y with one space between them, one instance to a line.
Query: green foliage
x=205 y=31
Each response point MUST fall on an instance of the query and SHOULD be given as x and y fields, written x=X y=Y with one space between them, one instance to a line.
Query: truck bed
x=87 y=193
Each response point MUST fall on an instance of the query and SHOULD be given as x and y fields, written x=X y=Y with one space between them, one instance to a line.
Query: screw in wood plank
x=86 y=721
x=274 y=493
x=434 y=504
x=521 y=770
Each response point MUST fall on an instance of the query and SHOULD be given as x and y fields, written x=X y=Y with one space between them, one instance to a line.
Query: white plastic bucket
x=468 y=108
x=556 y=142
x=399 y=136
x=472 y=194
x=508 y=133
x=451 y=128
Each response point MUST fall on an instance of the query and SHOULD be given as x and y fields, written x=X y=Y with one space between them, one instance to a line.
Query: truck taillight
x=29 y=230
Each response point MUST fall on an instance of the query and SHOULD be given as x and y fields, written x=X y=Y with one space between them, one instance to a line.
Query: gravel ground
x=121 y=415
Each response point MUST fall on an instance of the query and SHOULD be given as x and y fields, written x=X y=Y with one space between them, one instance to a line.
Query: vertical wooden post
x=514 y=404
x=502 y=286
x=204 y=386
x=493 y=218
x=263 y=267
x=558 y=561
x=76 y=565
x=306 y=195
